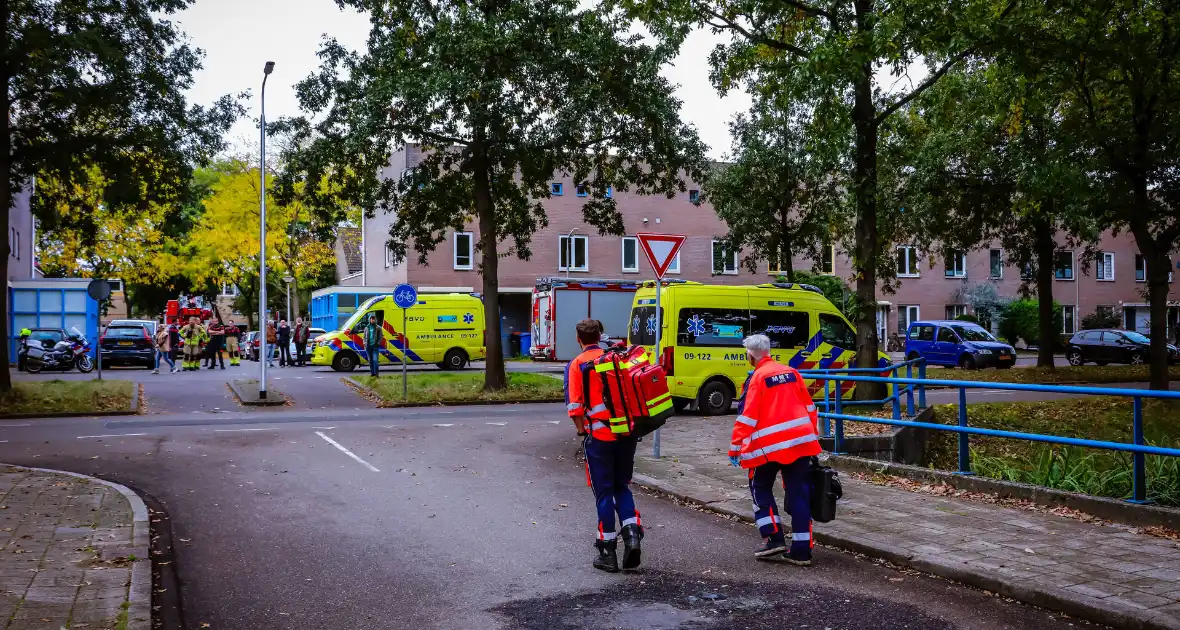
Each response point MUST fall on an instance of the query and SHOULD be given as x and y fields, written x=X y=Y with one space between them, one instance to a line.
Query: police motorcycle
x=71 y=352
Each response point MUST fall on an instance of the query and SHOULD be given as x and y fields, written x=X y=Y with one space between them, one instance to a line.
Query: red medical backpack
x=634 y=391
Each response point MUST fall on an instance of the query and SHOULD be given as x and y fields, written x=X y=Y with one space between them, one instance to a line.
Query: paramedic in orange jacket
x=610 y=458
x=776 y=433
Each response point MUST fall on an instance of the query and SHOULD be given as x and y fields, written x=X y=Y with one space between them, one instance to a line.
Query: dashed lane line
x=239 y=430
x=113 y=435
x=444 y=425
x=348 y=452
x=497 y=424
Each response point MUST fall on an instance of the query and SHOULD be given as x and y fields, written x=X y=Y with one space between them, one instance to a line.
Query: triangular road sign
x=661 y=250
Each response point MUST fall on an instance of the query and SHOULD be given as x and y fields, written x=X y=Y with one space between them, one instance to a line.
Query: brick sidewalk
x=74 y=553
x=1107 y=573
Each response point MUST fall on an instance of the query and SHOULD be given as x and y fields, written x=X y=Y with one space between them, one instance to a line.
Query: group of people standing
x=204 y=345
x=278 y=341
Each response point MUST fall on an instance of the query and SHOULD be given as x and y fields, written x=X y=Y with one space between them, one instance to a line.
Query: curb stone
x=382 y=404
x=1026 y=591
x=139 y=595
x=133 y=410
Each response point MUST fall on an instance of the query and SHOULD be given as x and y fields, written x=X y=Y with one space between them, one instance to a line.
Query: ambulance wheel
x=715 y=399
x=680 y=404
x=345 y=362
x=454 y=359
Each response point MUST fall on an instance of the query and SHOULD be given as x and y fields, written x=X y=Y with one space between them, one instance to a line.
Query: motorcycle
x=71 y=352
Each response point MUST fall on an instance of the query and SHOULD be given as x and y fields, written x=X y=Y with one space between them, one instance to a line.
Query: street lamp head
x=288 y=279
x=268 y=68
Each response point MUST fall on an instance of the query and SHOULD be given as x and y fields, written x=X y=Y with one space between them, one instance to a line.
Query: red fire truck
x=181 y=310
x=559 y=303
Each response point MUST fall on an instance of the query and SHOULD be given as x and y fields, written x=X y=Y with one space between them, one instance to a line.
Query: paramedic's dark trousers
x=609 y=466
x=797 y=483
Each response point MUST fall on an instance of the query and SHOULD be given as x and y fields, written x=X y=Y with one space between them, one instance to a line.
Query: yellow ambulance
x=703 y=327
x=446 y=329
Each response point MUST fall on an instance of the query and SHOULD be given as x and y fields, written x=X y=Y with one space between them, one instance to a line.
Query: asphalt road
x=469 y=517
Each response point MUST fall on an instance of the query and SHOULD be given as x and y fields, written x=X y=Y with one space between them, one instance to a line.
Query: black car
x=1108 y=345
x=127 y=345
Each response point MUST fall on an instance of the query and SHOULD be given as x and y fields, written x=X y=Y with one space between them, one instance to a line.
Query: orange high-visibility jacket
x=778 y=421
x=587 y=403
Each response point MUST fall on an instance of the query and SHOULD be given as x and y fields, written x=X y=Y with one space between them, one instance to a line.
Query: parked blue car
x=957 y=343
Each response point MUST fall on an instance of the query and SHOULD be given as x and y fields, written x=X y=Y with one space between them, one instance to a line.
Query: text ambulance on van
x=704 y=325
x=445 y=329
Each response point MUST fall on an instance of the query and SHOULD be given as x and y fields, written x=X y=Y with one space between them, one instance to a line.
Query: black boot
x=775 y=546
x=631 y=535
x=606 y=560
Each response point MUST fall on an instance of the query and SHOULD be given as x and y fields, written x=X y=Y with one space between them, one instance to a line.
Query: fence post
x=922 y=387
x=909 y=390
x=827 y=422
x=896 y=396
x=1138 y=460
x=964 y=445
x=838 y=445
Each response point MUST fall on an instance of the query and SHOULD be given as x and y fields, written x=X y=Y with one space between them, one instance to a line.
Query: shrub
x=1020 y=321
x=967 y=317
x=1101 y=319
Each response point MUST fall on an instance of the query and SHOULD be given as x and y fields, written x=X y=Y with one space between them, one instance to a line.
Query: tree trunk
x=1155 y=252
x=494 y=375
x=1045 y=249
x=866 y=249
x=5 y=194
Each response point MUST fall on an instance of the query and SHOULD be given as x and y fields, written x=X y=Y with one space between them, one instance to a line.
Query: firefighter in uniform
x=610 y=457
x=216 y=332
x=776 y=433
x=193 y=335
x=233 y=337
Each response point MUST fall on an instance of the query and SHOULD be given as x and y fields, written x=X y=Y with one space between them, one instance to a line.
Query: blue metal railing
x=833 y=411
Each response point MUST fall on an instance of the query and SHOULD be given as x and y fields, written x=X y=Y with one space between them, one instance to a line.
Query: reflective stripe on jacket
x=777 y=421
x=578 y=401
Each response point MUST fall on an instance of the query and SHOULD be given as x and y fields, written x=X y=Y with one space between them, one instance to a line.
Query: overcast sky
x=239 y=36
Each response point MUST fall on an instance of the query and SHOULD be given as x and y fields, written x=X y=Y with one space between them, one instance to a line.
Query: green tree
x=826 y=55
x=833 y=288
x=776 y=196
x=100 y=85
x=504 y=96
x=1116 y=61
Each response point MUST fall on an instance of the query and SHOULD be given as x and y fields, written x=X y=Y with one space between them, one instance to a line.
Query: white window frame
x=572 y=252
x=733 y=257
x=229 y=289
x=674 y=266
x=831 y=250
x=1073 y=265
x=989 y=263
x=1140 y=258
x=912 y=262
x=470 y=251
x=388 y=256
x=950 y=271
x=956 y=309
x=1100 y=273
x=902 y=316
x=1066 y=329
x=634 y=242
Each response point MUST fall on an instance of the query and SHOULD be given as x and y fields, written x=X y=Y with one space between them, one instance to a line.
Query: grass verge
x=1076 y=469
x=1061 y=375
x=56 y=396
x=457 y=387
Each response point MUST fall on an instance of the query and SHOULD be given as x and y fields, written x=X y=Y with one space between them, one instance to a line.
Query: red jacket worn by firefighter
x=778 y=421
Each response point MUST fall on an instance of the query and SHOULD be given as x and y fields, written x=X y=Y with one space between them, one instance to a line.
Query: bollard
x=964 y=445
x=1138 y=460
x=838 y=445
x=827 y=422
x=909 y=390
x=922 y=387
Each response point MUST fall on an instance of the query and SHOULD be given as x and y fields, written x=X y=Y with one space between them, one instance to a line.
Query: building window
x=907 y=262
x=956 y=264
x=827 y=263
x=574 y=246
x=388 y=256
x=995 y=260
x=1140 y=268
x=464 y=251
x=955 y=311
x=229 y=289
x=1026 y=271
x=674 y=266
x=724 y=262
x=694 y=196
x=17 y=248
x=774 y=266
x=1063 y=265
x=1067 y=319
x=907 y=314
x=556 y=189
x=581 y=190
x=1104 y=269
x=116 y=285
x=609 y=191
x=630 y=254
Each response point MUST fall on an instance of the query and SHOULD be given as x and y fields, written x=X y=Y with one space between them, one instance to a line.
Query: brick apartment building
x=568 y=246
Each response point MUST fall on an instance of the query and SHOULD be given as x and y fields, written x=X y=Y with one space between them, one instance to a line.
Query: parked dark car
x=957 y=343
x=1110 y=345
x=146 y=323
x=127 y=345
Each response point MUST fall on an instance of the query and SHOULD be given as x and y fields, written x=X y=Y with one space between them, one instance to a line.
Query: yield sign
x=660 y=249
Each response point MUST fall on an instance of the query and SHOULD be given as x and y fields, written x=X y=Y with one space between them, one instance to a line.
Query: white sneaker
x=156 y=371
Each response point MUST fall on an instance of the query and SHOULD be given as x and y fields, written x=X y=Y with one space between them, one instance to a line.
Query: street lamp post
x=266 y=70
x=289 y=280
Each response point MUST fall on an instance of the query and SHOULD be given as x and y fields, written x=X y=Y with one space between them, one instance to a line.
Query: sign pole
x=100 y=290
x=98 y=346
x=405 y=343
x=655 y=440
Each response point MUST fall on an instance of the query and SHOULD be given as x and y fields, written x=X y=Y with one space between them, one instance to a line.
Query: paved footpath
x=73 y=553
x=1106 y=573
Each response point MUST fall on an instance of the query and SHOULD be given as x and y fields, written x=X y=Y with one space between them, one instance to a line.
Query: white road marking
x=93 y=437
x=234 y=430
x=324 y=428
x=5 y=426
x=444 y=425
x=554 y=421
x=497 y=424
x=348 y=452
